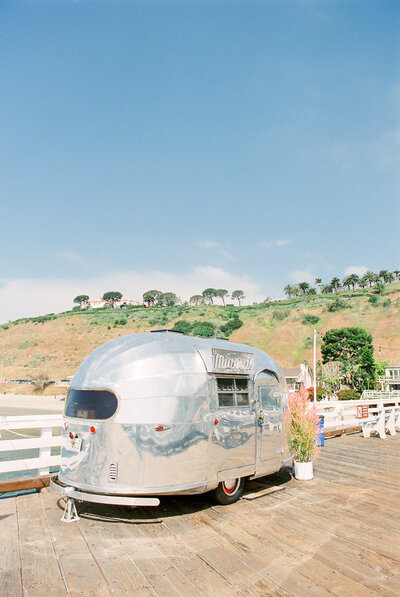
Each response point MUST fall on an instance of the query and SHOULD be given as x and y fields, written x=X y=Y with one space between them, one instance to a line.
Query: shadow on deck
x=338 y=534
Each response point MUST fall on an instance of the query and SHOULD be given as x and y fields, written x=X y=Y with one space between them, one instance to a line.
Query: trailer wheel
x=229 y=492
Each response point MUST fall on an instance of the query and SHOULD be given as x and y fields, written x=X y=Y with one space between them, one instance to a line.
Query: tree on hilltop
x=390 y=277
x=112 y=296
x=351 y=280
x=209 y=294
x=169 y=299
x=383 y=275
x=81 y=299
x=304 y=287
x=222 y=293
x=371 y=277
x=150 y=297
x=335 y=282
x=196 y=299
x=238 y=295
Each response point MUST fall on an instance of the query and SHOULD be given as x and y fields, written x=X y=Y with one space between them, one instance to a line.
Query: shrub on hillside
x=204 y=329
x=337 y=305
x=232 y=325
x=279 y=315
x=348 y=394
x=313 y=319
x=185 y=327
x=373 y=299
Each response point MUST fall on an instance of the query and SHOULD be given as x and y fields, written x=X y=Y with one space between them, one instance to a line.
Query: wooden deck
x=338 y=534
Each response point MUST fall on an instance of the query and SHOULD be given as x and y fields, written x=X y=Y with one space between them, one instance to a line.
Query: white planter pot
x=303 y=470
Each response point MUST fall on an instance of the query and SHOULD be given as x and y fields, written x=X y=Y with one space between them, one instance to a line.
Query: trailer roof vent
x=164 y=331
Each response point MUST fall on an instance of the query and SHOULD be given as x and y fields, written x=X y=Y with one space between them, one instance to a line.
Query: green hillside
x=57 y=343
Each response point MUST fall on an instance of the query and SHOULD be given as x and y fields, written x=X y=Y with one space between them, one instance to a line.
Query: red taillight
x=71 y=435
x=65 y=425
x=160 y=428
x=215 y=421
x=92 y=429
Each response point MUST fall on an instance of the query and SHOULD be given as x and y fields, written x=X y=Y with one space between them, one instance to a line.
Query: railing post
x=46 y=451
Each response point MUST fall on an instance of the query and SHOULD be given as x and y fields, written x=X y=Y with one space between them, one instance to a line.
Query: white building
x=391 y=381
x=298 y=377
x=99 y=303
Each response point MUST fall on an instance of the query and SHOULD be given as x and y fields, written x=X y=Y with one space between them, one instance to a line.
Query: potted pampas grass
x=302 y=434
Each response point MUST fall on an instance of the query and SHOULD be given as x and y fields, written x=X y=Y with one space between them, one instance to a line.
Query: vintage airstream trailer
x=161 y=413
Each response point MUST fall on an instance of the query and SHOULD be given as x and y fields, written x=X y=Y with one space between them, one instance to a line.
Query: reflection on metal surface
x=170 y=434
x=230 y=361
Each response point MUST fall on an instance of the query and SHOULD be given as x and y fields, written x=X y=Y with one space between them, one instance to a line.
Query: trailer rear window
x=232 y=391
x=90 y=404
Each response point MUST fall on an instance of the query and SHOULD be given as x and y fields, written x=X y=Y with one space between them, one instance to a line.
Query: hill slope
x=57 y=344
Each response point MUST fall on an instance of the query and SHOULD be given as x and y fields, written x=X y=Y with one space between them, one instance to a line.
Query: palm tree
x=397 y=273
x=289 y=290
x=347 y=282
x=351 y=280
x=327 y=289
x=335 y=282
x=363 y=281
x=383 y=274
x=390 y=277
x=370 y=277
x=304 y=286
x=318 y=282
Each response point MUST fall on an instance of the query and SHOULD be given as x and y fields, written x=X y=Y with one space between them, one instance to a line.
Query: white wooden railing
x=345 y=414
x=377 y=394
x=339 y=415
x=14 y=436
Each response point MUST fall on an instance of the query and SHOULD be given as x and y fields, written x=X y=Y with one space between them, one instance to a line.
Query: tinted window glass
x=242 y=399
x=226 y=399
x=90 y=404
x=233 y=391
x=225 y=384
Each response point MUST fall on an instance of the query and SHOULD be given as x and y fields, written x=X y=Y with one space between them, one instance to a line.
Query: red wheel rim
x=230 y=490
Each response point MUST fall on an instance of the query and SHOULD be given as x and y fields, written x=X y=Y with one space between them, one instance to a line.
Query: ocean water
x=21 y=454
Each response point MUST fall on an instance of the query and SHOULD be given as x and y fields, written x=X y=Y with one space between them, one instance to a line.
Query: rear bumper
x=69 y=491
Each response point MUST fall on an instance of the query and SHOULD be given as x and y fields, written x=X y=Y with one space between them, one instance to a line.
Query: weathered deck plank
x=336 y=535
x=10 y=559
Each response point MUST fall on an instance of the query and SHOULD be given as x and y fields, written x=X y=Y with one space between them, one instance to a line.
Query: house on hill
x=99 y=303
x=297 y=377
x=391 y=381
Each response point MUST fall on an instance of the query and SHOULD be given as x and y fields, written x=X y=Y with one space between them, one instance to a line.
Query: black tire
x=228 y=492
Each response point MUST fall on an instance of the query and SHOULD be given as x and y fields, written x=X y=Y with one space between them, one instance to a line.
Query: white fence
x=29 y=433
x=36 y=432
x=346 y=414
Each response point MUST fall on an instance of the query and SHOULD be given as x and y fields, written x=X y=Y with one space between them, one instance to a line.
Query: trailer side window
x=90 y=404
x=233 y=391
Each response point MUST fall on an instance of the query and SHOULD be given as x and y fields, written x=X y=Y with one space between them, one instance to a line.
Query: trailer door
x=270 y=441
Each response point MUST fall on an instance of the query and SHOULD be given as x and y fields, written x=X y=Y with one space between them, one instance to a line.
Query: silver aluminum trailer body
x=161 y=413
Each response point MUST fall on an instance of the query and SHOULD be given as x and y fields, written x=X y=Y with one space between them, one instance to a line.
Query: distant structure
x=298 y=377
x=391 y=381
x=99 y=303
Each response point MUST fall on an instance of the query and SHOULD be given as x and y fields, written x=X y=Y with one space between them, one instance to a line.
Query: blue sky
x=184 y=144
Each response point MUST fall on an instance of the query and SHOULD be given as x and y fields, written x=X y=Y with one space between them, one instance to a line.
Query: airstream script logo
x=230 y=361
